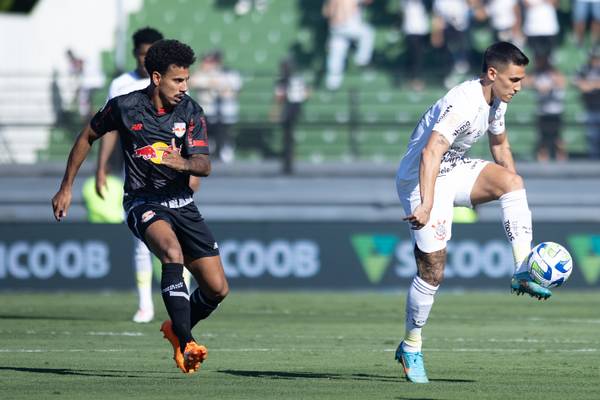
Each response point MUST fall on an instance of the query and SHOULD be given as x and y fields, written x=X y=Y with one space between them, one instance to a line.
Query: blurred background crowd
x=310 y=80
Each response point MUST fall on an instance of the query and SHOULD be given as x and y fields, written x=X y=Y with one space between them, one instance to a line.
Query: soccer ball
x=550 y=264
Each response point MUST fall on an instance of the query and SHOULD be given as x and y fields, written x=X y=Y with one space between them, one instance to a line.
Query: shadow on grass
x=51 y=317
x=307 y=375
x=323 y=375
x=80 y=372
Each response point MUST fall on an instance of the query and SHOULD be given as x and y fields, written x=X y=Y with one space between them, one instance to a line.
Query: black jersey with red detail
x=145 y=133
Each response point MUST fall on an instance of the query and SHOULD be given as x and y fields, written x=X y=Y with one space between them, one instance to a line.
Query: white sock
x=142 y=260
x=187 y=278
x=418 y=305
x=517 y=226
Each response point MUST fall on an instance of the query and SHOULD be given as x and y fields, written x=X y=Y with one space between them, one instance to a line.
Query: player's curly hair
x=145 y=35
x=168 y=52
x=501 y=54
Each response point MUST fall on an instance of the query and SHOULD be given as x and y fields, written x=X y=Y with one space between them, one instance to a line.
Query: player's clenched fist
x=60 y=203
x=418 y=218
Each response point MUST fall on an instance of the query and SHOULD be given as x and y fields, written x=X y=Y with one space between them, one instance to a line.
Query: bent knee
x=220 y=292
x=515 y=182
x=224 y=290
x=220 y=296
x=172 y=254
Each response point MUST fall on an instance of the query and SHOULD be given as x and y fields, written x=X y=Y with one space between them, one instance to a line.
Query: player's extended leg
x=142 y=261
x=498 y=183
x=163 y=242
x=430 y=272
x=212 y=287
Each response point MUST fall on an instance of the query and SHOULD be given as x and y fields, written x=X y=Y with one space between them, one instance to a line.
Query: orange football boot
x=167 y=329
x=193 y=355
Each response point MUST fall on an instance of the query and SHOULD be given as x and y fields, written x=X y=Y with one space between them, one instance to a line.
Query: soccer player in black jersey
x=164 y=141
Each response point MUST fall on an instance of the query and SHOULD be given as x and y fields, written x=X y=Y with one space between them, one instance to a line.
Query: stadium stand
x=369 y=118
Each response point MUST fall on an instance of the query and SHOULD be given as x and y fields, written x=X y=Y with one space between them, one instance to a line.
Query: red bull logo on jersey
x=153 y=152
x=179 y=129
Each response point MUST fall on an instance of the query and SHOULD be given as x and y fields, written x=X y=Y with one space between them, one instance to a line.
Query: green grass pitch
x=302 y=345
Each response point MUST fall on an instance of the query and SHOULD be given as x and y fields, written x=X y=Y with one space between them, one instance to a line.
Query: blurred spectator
x=540 y=26
x=588 y=82
x=216 y=89
x=550 y=86
x=290 y=92
x=415 y=25
x=505 y=20
x=584 y=10
x=86 y=76
x=57 y=101
x=243 y=7
x=450 y=29
x=74 y=80
x=75 y=64
x=346 y=24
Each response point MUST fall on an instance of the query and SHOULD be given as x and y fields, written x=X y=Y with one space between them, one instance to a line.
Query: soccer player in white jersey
x=123 y=84
x=435 y=174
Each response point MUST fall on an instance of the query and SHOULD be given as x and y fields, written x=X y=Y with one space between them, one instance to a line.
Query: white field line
x=68 y=333
x=115 y=334
x=446 y=316
x=556 y=341
x=530 y=319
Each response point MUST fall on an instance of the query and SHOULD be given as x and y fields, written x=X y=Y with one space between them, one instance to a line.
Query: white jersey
x=462 y=116
x=127 y=83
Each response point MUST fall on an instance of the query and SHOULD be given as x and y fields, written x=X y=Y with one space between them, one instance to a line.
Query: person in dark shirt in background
x=588 y=82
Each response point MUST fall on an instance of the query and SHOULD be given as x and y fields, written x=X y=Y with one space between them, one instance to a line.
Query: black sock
x=201 y=306
x=176 y=299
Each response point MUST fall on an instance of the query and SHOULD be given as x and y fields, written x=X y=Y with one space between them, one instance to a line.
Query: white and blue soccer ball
x=550 y=264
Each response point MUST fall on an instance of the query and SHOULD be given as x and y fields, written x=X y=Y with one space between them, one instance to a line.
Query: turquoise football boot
x=413 y=366
x=523 y=283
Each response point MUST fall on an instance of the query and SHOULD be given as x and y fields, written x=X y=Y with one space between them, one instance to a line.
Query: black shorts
x=195 y=238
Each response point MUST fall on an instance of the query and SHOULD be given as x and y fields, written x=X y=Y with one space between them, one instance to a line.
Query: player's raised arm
x=81 y=148
x=501 y=152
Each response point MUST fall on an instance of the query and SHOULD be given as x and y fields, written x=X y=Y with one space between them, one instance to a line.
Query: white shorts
x=453 y=187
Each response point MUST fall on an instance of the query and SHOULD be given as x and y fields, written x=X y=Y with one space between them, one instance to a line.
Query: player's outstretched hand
x=418 y=218
x=172 y=157
x=60 y=203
